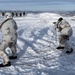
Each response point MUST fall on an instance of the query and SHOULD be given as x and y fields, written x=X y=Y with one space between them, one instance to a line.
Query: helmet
x=8 y=14
x=60 y=19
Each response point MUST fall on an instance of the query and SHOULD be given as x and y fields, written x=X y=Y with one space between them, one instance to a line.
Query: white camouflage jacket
x=64 y=28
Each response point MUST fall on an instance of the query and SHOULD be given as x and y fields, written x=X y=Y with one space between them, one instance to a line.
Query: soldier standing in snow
x=65 y=33
x=8 y=27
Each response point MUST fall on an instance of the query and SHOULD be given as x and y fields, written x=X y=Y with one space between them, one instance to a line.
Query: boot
x=5 y=65
x=60 y=47
x=12 y=57
x=68 y=52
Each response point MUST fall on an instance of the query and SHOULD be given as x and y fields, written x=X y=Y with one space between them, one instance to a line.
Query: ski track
x=36 y=48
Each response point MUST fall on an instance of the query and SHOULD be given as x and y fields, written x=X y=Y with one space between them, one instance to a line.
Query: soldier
x=8 y=27
x=65 y=33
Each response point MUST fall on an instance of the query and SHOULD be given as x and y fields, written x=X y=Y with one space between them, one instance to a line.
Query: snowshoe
x=60 y=47
x=68 y=52
x=5 y=65
x=12 y=57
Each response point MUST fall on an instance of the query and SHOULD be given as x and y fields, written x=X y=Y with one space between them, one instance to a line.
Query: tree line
x=15 y=14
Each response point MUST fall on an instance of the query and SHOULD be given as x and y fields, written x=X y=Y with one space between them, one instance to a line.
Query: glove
x=54 y=25
x=54 y=22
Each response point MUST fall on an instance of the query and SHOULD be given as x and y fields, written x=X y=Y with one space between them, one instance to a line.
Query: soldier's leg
x=12 y=46
x=61 y=42
x=64 y=41
x=68 y=47
x=3 y=54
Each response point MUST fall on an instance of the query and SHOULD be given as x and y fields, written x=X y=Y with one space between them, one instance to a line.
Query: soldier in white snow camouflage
x=66 y=32
x=8 y=27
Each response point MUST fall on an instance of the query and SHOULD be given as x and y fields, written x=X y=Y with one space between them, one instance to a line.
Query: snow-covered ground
x=36 y=45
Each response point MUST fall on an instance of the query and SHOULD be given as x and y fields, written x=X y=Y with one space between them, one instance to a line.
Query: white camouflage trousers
x=8 y=42
x=64 y=42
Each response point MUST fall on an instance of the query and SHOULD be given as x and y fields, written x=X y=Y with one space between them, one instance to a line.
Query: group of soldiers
x=9 y=27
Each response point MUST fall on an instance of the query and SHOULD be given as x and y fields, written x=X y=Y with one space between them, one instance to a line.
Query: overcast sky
x=38 y=5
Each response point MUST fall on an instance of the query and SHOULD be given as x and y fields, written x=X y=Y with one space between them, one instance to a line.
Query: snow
x=36 y=47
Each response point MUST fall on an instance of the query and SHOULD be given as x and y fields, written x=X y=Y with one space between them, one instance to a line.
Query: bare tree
x=16 y=14
x=24 y=13
x=20 y=14
x=12 y=14
x=3 y=13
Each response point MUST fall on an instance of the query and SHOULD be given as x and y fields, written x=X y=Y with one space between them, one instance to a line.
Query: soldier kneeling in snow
x=8 y=27
x=65 y=33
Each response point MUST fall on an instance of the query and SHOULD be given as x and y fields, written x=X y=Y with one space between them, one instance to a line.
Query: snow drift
x=36 y=47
